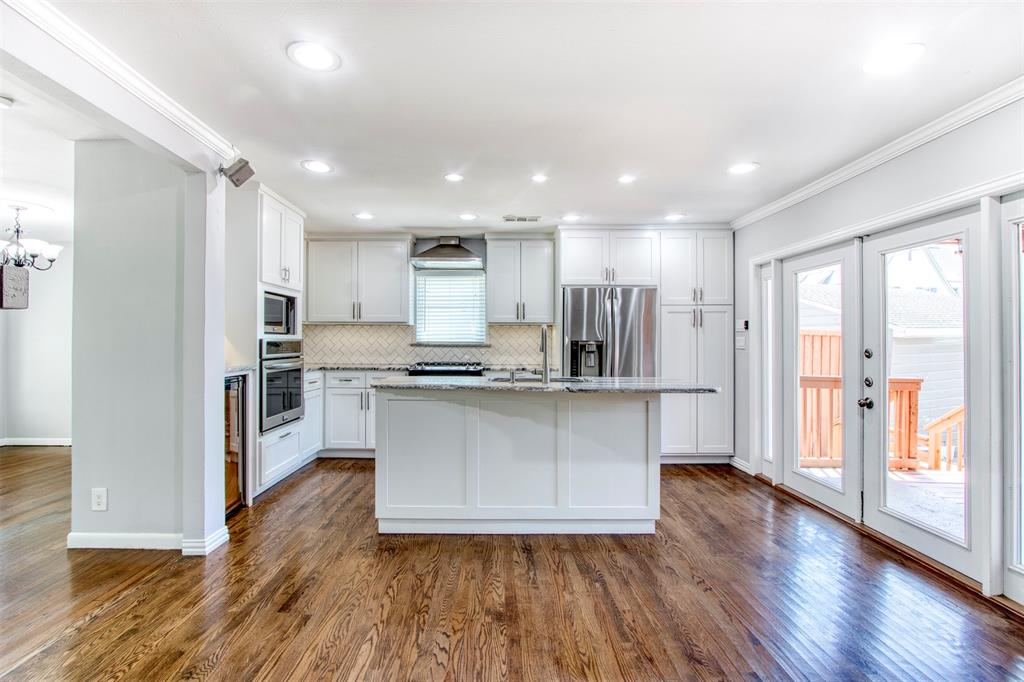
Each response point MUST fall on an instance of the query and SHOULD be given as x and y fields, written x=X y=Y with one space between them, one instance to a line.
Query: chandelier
x=27 y=253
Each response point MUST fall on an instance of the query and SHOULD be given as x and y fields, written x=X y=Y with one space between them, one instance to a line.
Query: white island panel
x=518 y=449
x=609 y=453
x=427 y=459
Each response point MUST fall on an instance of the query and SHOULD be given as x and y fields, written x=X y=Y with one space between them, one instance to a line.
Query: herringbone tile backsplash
x=391 y=344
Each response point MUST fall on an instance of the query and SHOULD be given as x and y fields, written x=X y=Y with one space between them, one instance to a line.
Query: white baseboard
x=204 y=546
x=60 y=442
x=695 y=459
x=124 y=540
x=516 y=526
x=742 y=465
x=347 y=454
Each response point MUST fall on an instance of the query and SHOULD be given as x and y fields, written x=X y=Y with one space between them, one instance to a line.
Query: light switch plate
x=99 y=499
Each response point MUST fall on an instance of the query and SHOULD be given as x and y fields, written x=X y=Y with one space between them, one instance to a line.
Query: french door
x=821 y=374
x=875 y=391
x=918 y=464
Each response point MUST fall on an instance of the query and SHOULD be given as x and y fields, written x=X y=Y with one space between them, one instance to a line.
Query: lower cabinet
x=279 y=453
x=350 y=412
x=345 y=419
x=311 y=431
x=697 y=347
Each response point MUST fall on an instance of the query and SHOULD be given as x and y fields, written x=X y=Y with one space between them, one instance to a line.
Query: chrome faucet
x=546 y=369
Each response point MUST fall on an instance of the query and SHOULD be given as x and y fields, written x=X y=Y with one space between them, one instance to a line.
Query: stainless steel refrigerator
x=610 y=331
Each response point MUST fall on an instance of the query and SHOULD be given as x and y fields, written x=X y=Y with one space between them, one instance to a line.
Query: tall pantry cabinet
x=696 y=327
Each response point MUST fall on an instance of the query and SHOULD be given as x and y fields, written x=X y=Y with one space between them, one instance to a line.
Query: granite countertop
x=595 y=385
x=239 y=369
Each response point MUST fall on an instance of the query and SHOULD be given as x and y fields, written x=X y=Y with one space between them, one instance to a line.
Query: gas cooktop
x=446 y=369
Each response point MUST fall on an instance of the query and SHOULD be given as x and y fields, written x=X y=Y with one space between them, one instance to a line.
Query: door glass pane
x=924 y=312
x=819 y=363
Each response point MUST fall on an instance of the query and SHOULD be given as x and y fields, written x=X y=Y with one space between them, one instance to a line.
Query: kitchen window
x=451 y=307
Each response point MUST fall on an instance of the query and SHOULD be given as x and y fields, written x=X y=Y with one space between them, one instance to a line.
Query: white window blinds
x=451 y=306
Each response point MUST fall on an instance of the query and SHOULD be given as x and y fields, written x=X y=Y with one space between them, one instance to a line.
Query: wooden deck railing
x=821 y=422
x=945 y=436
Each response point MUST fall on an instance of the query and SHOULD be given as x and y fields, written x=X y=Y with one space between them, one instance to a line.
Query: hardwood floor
x=739 y=582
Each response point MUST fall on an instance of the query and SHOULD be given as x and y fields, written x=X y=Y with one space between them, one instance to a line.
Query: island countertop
x=589 y=385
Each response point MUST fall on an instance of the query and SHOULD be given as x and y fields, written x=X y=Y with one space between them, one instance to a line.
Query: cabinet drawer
x=346 y=379
x=313 y=380
x=375 y=376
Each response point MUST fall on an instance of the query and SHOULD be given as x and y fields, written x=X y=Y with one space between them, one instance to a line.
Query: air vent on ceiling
x=510 y=218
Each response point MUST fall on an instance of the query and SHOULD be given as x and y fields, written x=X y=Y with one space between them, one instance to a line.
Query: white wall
x=36 y=358
x=126 y=339
x=985 y=149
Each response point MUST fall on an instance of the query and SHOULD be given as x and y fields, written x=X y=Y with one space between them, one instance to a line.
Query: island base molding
x=515 y=526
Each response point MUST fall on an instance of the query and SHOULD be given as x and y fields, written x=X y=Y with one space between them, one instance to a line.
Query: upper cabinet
x=520 y=281
x=358 y=281
x=280 y=243
x=616 y=257
x=696 y=267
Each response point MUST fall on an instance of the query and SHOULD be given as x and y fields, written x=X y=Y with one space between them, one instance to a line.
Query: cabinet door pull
x=694 y=295
x=701 y=289
x=613 y=274
x=524 y=309
x=353 y=310
x=517 y=310
x=360 y=401
x=693 y=318
x=606 y=278
x=700 y=314
x=359 y=308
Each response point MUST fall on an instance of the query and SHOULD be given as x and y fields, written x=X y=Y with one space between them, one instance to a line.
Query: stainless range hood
x=447 y=254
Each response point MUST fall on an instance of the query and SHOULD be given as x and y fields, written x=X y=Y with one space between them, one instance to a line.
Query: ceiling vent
x=510 y=218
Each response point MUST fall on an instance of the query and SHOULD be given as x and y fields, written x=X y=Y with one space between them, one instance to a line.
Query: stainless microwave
x=278 y=314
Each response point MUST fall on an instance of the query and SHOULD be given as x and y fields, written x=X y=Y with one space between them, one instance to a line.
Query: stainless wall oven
x=278 y=314
x=281 y=383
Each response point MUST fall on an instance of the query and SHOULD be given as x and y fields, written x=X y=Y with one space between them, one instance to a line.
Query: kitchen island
x=488 y=455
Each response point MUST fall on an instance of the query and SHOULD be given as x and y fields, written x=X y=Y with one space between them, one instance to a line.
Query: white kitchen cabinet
x=697 y=347
x=279 y=454
x=715 y=356
x=679 y=267
x=311 y=432
x=679 y=363
x=616 y=257
x=714 y=267
x=358 y=281
x=520 y=281
x=345 y=418
x=281 y=230
x=584 y=256
x=331 y=285
x=635 y=258
x=696 y=267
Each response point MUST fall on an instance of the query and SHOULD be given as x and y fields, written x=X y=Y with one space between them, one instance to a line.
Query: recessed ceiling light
x=893 y=58
x=453 y=177
x=539 y=178
x=363 y=215
x=571 y=217
x=467 y=216
x=6 y=102
x=314 y=166
x=627 y=179
x=744 y=167
x=313 y=56
x=675 y=217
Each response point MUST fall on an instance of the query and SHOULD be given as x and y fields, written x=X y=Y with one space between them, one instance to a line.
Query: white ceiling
x=37 y=160
x=671 y=92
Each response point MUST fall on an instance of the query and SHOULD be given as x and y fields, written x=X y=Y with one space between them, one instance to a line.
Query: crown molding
x=972 y=111
x=59 y=27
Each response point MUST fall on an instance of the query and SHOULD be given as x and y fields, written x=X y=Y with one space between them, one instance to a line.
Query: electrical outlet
x=99 y=499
